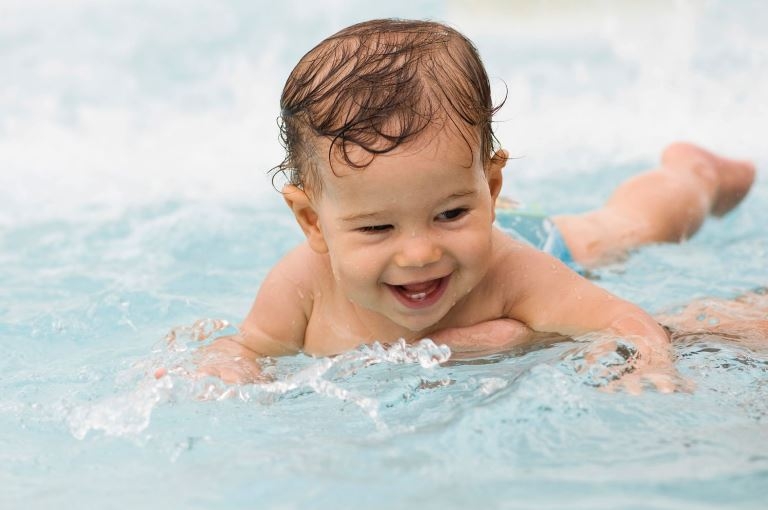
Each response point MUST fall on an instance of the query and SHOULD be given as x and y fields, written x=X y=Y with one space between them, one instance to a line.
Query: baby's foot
x=732 y=178
x=736 y=178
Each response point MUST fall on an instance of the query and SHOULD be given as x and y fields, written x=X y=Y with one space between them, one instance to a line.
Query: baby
x=393 y=176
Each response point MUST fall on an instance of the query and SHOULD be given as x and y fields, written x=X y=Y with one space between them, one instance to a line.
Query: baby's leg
x=743 y=319
x=706 y=313
x=667 y=204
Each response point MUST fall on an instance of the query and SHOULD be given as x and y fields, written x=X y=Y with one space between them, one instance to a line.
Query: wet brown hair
x=377 y=85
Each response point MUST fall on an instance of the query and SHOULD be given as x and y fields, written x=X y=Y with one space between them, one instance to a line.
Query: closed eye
x=374 y=229
x=452 y=214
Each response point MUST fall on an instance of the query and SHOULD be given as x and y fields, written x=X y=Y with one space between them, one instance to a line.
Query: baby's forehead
x=337 y=157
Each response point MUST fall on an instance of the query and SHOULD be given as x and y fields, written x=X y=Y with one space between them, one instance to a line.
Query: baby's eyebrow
x=460 y=194
x=352 y=218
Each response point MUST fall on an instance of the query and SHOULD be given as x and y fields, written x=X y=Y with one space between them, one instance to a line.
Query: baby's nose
x=418 y=251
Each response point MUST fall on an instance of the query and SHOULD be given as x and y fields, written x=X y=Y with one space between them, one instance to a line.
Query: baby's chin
x=418 y=329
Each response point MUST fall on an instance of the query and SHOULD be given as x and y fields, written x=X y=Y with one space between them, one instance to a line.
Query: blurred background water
x=135 y=137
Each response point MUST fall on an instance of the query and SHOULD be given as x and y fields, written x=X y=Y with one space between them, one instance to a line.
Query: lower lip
x=432 y=298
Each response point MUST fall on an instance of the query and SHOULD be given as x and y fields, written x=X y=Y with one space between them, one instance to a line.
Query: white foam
x=132 y=103
x=606 y=82
x=125 y=414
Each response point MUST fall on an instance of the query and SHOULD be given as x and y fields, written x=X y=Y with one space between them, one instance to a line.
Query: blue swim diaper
x=536 y=229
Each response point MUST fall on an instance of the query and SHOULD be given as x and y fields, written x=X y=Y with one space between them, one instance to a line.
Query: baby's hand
x=630 y=365
x=486 y=337
x=226 y=359
x=232 y=369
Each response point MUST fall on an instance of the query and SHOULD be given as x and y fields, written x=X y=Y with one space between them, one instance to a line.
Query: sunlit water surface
x=134 y=208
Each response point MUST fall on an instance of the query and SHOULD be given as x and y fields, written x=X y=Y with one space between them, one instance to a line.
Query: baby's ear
x=494 y=175
x=306 y=216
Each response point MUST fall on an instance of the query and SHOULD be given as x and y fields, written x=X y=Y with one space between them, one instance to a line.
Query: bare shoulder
x=304 y=268
x=280 y=313
x=521 y=270
x=537 y=288
x=546 y=295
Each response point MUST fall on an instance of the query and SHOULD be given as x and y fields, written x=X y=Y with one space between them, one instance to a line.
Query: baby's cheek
x=354 y=276
x=480 y=247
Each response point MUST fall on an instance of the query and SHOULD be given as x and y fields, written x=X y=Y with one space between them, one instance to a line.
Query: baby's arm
x=490 y=337
x=275 y=325
x=546 y=295
x=549 y=297
x=486 y=337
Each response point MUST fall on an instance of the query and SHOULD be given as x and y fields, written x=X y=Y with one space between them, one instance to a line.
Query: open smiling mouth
x=420 y=294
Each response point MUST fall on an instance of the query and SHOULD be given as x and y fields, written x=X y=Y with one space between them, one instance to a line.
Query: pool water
x=135 y=209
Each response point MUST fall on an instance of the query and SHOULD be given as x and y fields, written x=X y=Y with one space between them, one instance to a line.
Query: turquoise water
x=134 y=206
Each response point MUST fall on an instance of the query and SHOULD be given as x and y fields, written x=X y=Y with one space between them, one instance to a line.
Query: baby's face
x=409 y=235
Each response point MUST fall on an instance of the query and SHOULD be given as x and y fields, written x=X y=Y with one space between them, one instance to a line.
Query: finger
x=631 y=384
x=598 y=350
x=663 y=383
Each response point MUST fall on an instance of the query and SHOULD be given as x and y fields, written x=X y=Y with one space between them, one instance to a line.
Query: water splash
x=122 y=414
x=129 y=413
x=180 y=338
x=596 y=365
